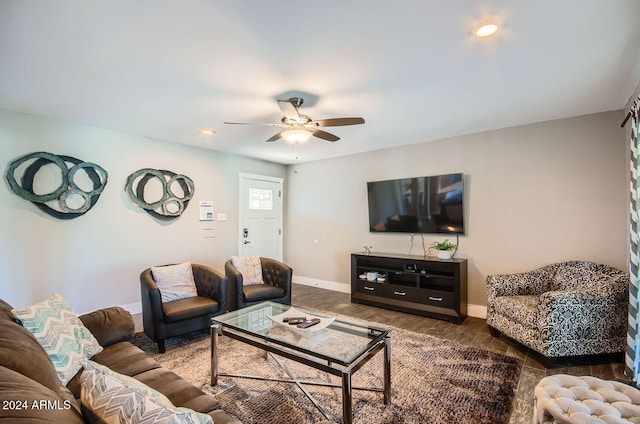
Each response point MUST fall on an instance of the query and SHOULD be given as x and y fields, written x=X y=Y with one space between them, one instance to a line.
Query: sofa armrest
x=109 y=325
x=235 y=281
x=211 y=284
x=151 y=301
x=575 y=314
x=233 y=274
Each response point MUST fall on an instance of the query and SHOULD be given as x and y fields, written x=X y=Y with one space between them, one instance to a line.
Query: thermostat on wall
x=206 y=210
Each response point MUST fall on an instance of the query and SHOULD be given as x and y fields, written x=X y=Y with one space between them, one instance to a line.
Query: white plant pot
x=444 y=254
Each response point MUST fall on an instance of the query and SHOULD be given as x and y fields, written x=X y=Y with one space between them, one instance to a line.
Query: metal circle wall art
x=68 y=185
x=170 y=205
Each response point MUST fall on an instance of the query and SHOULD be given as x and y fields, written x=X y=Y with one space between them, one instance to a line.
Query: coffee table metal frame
x=317 y=361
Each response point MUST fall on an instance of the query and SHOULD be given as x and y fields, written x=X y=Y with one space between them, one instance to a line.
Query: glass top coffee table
x=336 y=346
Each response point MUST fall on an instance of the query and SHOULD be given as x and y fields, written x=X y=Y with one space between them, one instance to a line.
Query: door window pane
x=260 y=199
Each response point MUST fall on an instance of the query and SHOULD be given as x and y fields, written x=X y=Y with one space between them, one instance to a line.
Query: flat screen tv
x=417 y=205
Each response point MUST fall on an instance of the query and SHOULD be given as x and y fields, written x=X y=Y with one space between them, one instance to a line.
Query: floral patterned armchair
x=565 y=309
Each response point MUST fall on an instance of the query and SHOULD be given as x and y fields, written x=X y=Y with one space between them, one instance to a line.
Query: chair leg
x=493 y=332
x=161 y=347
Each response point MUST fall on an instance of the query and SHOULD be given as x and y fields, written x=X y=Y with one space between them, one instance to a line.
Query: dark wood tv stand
x=415 y=284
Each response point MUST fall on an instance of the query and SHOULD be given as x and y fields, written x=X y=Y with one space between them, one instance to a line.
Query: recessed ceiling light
x=207 y=131
x=485 y=29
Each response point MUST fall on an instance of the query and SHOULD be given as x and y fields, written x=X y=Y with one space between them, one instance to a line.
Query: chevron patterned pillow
x=109 y=397
x=62 y=335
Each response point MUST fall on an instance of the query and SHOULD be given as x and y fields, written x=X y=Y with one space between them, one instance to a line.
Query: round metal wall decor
x=170 y=205
x=68 y=186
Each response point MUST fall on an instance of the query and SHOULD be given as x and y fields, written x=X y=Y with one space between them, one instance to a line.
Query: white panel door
x=261 y=216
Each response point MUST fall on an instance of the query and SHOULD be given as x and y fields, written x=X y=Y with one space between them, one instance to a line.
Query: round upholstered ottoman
x=581 y=400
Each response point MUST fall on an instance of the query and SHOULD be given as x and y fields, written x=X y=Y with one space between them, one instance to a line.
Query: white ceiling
x=164 y=68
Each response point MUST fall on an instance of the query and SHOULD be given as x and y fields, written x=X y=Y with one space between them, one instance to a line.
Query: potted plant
x=444 y=248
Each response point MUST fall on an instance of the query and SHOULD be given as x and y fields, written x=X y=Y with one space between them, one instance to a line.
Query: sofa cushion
x=109 y=397
x=123 y=358
x=127 y=381
x=262 y=292
x=174 y=281
x=192 y=307
x=21 y=352
x=522 y=309
x=179 y=391
x=250 y=267
x=62 y=335
x=127 y=359
x=43 y=405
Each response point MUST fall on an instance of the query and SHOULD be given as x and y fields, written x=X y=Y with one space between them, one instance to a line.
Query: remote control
x=296 y=321
x=288 y=319
x=310 y=323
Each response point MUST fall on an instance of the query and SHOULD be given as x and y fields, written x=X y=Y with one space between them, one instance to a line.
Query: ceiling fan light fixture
x=297 y=135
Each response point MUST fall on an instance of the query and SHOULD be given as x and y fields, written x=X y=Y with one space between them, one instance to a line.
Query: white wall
x=95 y=260
x=534 y=194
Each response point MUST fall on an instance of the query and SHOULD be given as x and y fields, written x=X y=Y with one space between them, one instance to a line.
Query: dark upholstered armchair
x=164 y=320
x=276 y=288
x=565 y=309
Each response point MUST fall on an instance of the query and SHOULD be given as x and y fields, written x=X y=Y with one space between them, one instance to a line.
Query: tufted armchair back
x=169 y=319
x=277 y=279
x=274 y=273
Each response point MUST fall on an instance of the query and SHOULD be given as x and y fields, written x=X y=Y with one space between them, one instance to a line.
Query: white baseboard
x=323 y=284
x=133 y=308
x=476 y=311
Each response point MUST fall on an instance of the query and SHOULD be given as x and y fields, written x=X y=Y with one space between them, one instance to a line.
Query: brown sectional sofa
x=30 y=391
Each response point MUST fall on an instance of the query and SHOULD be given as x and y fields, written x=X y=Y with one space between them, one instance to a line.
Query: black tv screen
x=417 y=205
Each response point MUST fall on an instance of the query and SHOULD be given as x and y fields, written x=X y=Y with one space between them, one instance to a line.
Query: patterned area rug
x=433 y=381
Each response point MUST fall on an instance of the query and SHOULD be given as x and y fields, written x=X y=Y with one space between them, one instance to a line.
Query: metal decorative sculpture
x=170 y=206
x=68 y=186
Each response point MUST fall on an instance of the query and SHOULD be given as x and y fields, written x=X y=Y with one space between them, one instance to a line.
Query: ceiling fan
x=298 y=128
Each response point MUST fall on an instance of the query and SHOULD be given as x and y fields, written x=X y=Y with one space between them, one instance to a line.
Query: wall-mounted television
x=432 y=204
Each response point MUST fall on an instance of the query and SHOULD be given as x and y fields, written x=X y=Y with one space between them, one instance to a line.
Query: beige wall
x=534 y=195
x=95 y=260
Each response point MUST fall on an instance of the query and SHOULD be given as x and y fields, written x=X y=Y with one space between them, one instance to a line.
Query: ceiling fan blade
x=288 y=109
x=275 y=137
x=325 y=135
x=339 y=122
x=279 y=124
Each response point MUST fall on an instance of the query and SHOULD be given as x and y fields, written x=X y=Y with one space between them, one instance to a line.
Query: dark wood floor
x=472 y=332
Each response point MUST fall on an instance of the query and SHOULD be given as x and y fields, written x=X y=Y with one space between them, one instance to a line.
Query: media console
x=425 y=286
